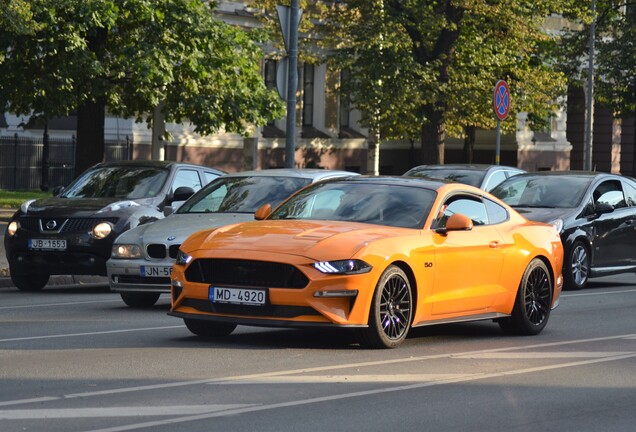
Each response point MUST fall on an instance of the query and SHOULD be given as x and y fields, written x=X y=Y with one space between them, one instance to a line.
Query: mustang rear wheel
x=391 y=311
x=209 y=329
x=34 y=282
x=534 y=302
x=576 y=267
x=139 y=300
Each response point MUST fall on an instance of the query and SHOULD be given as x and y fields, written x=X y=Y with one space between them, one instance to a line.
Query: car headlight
x=347 y=267
x=557 y=224
x=126 y=251
x=12 y=228
x=182 y=258
x=102 y=230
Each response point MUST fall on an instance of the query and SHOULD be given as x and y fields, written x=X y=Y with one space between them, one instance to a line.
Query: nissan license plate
x=242 y=296
x=47 y=244
x=155 y=271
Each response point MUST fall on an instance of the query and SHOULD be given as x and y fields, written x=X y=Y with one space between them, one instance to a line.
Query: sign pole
x=498 y=142
x=501 y=106
x=292 y=74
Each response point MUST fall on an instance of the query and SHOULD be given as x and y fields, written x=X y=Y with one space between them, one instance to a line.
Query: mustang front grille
x=245 y=273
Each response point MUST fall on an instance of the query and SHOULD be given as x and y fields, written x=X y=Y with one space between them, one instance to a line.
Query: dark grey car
x=483 y=176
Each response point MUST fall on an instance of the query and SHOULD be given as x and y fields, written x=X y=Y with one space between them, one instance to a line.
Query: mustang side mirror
x=457 y=222
x=262 y=212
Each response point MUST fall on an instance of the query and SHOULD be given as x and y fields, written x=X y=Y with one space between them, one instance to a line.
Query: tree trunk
x=433 y=135
x=469 y=143
x=89 y=148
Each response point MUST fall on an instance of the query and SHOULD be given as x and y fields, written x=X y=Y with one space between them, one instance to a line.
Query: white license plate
x=242 y=296
x=47 y=244
x=155 y=271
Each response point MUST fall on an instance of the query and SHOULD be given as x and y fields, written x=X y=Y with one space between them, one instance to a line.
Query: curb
x=58 y=281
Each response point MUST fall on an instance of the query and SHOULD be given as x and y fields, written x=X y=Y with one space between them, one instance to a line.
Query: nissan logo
x=51 y=225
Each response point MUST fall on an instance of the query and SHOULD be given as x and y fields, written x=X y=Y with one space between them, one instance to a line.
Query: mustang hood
x=544 y=214
x=312 y=239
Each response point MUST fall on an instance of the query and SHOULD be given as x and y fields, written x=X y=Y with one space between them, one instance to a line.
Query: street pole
x=292 y=74
x=589 y=104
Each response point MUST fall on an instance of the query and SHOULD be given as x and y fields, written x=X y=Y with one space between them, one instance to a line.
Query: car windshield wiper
x=533 y=206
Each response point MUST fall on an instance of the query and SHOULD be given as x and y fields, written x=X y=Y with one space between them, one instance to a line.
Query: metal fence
x=21 y=160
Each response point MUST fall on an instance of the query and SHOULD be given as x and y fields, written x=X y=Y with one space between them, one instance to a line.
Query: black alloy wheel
x=391 y=311
x=533 y=303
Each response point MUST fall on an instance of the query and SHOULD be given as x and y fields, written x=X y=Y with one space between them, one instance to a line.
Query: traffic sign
x=501 y=100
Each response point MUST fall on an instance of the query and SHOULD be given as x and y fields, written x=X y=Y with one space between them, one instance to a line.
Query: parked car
x=485 y=177
x=377 y=254
x=595 y=213
x=72 y=233
x=142 y=258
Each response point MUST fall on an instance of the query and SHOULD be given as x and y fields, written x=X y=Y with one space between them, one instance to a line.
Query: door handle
x=494 y=244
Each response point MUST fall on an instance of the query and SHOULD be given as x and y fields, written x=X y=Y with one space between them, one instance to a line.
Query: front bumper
x=130 y=275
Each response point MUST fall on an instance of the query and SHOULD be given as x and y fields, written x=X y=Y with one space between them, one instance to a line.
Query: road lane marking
x=127 y=411
x=256 y=408
x=585 y=294
x=58 y=304
x=347 y=379
x=221 y=380
x=541 y=355
x=26 y=338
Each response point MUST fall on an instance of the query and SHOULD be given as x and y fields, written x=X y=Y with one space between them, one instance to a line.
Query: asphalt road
x=77 y=359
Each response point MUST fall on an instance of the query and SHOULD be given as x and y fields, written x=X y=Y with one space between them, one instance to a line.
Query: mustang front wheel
x=534 y=302
x=391 y=311
x=208 y=329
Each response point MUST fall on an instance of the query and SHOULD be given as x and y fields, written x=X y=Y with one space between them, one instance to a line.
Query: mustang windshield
x=130 y=182
x=381 y=204
x=543 y=191
x=242 y=194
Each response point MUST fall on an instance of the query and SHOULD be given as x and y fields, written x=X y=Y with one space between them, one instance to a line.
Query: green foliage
x=13 y=199
x=134 y=54
x=615 y=53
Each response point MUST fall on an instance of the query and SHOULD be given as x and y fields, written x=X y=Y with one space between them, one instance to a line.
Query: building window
x=345 y=104
x=308 y=95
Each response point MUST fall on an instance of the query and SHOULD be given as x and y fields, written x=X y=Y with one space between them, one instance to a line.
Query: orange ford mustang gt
x=378 y=254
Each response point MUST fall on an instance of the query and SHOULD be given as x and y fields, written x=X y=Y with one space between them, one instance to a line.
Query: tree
x=424 y=68
x=86 y=56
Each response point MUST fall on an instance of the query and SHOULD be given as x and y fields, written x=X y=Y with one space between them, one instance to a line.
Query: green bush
x=13 y=199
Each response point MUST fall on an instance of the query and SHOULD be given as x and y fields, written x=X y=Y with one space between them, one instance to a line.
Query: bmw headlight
x=346 y=267
x=182 y=258
x=102 y=230
x=12 y=228
x=558 y=224
x=126 y=251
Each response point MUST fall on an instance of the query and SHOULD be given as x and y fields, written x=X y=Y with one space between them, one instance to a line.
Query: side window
x=209 y=176
x=496 y=213
x=609 y=192
x=630 y=194
x=466 y=205
x=186 y=177
x=495 y=178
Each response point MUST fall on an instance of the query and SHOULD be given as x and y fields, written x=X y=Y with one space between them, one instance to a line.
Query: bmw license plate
x=155 y=271
x=242 y=296
x=47 y=244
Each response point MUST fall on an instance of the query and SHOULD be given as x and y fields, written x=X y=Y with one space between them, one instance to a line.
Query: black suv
x=73 y=233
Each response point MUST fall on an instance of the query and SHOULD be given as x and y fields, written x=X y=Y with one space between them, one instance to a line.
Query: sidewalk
x=5 y=279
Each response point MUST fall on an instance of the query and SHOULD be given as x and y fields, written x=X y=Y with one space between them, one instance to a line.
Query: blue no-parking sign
x=501 y=100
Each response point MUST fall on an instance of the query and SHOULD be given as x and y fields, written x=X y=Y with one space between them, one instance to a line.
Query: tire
x=576 y=267
x=30 y=283
x=139 y=300
x=391 y=311
x=209 y=329
x=533 y=303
